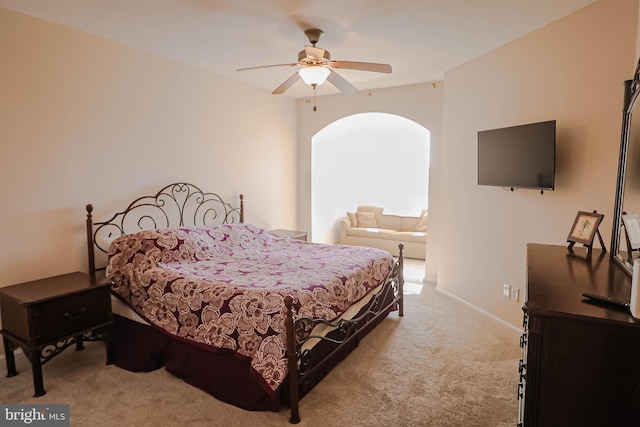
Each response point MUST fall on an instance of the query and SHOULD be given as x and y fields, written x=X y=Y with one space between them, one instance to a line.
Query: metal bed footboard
x=300 y=331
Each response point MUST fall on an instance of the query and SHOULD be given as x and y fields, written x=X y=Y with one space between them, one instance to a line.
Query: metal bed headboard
x=177 y=205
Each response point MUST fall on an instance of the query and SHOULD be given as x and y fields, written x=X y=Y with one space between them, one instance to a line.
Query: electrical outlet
x=506 y=290
x=515 y=294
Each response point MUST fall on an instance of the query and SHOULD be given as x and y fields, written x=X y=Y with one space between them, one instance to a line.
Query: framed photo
x=584 y=228
x=632 y=230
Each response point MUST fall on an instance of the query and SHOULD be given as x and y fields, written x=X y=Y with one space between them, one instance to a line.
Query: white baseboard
x=478 y=309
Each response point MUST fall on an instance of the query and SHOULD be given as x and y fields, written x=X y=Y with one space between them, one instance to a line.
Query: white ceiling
x=421 y=39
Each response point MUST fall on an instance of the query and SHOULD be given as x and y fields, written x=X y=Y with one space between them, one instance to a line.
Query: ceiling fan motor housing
x=302 y=57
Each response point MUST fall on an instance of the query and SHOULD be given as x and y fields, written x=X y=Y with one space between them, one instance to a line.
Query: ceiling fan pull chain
x=314 y=98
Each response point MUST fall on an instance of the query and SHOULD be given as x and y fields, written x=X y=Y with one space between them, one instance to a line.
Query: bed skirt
x=142 y=348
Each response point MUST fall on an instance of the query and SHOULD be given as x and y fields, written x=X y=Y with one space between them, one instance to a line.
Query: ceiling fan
x=316 y=67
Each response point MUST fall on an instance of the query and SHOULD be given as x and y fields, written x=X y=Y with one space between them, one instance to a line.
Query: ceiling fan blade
x=287 y=84
x=267 y=66
x=315 y=52
x=363 y=66
x=339 y=82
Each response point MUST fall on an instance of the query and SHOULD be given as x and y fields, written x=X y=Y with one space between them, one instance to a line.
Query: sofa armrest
x=345 y=224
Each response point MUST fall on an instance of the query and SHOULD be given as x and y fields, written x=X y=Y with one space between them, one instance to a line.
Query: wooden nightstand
x=291 y=234
x=46 y=316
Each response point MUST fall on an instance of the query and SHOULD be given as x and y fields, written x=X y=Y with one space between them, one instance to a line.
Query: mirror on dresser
x=627 y=200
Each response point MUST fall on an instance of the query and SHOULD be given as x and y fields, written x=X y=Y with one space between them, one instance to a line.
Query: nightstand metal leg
x=79 y=342
x=9 y=357
x=36 y=368
x=107 y=342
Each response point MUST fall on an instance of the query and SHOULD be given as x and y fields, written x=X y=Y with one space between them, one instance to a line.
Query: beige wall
x=86 y=120
x=571 y=71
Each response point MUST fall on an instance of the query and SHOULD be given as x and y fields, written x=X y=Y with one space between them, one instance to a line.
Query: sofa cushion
x=374 y=233
x=411 y=236
x=385 y=234
x=390 y=222
x=367 y=208
x=409 y=223
x=353 y=218
x=422 y=225
x=367 y=220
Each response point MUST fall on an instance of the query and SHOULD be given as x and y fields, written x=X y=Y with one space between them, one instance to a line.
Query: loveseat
x=369 y=226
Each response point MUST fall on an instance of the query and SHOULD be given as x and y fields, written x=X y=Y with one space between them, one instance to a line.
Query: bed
x=253 y=319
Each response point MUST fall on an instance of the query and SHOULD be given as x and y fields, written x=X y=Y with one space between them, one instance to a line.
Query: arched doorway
x=367 y=159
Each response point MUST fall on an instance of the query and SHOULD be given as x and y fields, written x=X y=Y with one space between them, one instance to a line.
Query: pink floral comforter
x=224 y=286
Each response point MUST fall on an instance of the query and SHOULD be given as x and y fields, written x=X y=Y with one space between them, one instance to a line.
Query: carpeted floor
x=442 y=364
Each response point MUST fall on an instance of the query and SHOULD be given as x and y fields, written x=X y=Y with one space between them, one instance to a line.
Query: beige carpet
x=443 y=364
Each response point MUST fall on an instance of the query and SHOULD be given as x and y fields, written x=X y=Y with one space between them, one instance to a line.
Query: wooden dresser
x=581 y=362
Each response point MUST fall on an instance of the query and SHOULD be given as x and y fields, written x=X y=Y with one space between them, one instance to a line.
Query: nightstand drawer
x=291 y=234
x=65 y=316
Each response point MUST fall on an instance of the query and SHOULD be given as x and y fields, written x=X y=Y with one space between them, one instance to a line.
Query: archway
x=367 y=159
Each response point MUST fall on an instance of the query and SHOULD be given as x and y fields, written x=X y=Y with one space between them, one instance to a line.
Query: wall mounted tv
x=518 y=156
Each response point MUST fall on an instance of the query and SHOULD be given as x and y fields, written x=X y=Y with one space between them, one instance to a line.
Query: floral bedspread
x=225 y=286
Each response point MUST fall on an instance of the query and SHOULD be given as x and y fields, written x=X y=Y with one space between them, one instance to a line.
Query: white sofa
x=369 y=226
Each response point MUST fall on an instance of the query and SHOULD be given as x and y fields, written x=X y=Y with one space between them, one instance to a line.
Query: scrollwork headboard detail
x=176 y=205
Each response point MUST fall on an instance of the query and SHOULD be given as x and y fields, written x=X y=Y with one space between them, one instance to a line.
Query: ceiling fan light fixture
x=314 y=75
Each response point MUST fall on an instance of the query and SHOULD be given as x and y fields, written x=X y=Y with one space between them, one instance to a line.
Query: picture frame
x=585 y=227
x=632 y=230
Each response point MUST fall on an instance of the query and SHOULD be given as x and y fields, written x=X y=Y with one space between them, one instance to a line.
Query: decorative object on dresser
x=44 y=317
x=232 y=308
x=580 y=363
x=369 y=226
x=631 y=224
x=584 y=229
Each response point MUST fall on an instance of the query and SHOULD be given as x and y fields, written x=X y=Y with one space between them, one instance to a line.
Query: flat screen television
x=521 y=156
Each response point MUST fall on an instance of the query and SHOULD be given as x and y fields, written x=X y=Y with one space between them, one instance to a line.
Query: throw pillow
x=367 y=219
x=353 y=218
x=422 y=225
